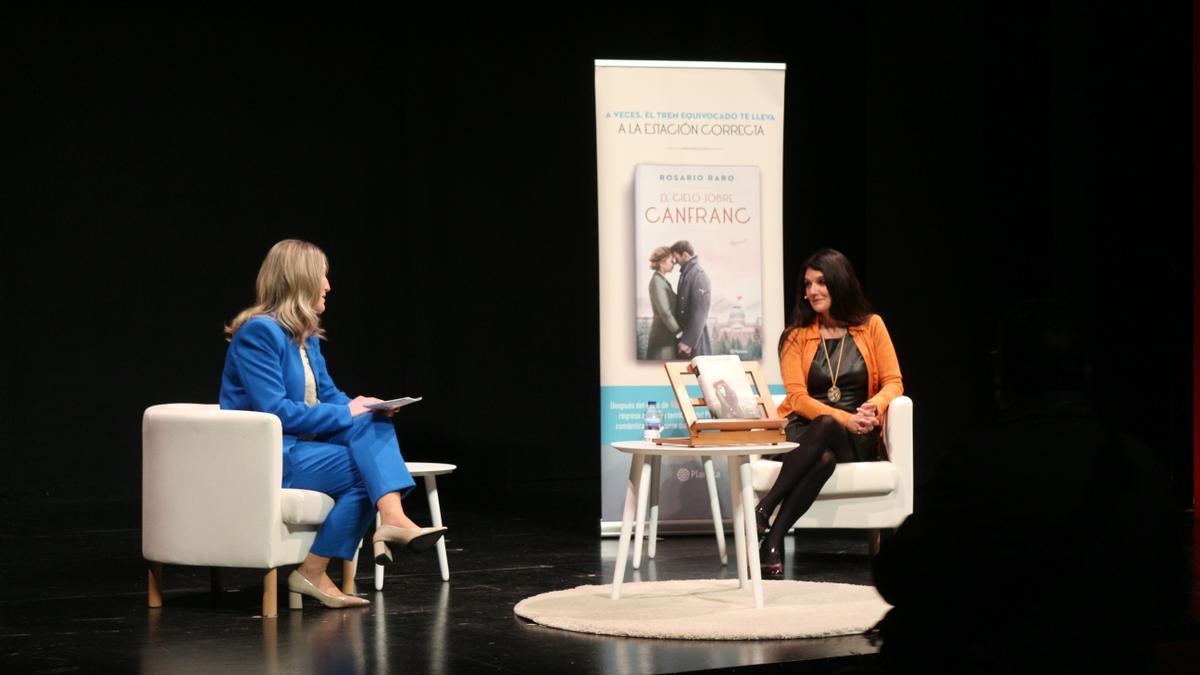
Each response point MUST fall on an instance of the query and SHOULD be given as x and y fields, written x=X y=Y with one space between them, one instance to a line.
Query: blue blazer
x=264 y=372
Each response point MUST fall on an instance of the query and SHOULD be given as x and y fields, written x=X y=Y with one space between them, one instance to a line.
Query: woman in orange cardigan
x=840 y=372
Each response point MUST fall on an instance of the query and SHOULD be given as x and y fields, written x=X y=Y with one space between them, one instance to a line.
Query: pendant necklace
x=834 y=394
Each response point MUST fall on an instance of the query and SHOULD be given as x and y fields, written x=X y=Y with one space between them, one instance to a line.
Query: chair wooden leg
x=154 y=573
x=349 y=567
x=873 y=538
x=271 y=594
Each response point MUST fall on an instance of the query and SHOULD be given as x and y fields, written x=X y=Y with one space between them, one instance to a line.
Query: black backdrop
x=964 y=158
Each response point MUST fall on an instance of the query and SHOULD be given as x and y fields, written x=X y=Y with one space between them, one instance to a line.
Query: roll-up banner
x=691 y=153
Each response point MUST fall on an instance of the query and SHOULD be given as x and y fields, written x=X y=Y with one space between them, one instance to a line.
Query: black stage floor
x=74 y=601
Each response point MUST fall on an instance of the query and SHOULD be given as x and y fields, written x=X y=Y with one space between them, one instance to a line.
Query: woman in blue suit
x=331 y=442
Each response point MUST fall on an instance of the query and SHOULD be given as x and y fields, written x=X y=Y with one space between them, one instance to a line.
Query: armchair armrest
x=898 y=436
x=211 y=482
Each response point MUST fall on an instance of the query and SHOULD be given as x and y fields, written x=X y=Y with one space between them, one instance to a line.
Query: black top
x=852 y=381
x=851 y=376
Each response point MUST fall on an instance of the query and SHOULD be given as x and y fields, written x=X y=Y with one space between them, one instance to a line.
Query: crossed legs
x=822 y=444
x=314 y=567
x=362 y=469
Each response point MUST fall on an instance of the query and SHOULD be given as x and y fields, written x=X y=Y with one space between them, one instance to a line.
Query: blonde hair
x=659 y=254
x=289 y=286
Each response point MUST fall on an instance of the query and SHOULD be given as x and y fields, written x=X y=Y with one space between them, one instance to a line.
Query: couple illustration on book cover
x=680 y=325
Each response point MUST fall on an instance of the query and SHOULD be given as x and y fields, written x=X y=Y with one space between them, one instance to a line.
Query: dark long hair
x=849 y=305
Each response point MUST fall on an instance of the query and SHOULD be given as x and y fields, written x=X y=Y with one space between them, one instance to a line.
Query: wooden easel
x=767 y=429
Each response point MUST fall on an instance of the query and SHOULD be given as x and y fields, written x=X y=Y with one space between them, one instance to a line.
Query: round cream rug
x=709 y=609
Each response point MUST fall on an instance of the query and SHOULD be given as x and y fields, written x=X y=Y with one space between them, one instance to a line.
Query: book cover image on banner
x=717 y=210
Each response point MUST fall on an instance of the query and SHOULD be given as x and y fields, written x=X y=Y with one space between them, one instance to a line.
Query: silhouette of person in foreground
x=1042 y=542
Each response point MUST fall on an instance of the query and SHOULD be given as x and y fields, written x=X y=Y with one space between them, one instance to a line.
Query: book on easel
x=736 y=395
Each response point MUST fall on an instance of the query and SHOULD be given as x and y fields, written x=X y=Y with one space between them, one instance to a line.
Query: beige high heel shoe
x=414 y=538
x=298 y=585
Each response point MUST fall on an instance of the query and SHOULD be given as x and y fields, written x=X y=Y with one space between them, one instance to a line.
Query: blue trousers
x=355 y=466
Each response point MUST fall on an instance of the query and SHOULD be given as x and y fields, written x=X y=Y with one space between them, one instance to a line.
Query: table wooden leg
x=747 y=481
x=636 y=463
x=739 y=529
x=714 y=503
x=643 y=496
x=655 y=482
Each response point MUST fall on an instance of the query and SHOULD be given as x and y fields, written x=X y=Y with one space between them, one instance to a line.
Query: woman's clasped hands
x=864 y=419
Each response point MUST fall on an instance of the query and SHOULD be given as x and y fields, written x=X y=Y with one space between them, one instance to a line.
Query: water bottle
x=652 y=427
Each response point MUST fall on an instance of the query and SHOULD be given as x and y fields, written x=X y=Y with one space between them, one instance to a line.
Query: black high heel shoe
x=762 y=519
x=770 y=560
x=417 y=539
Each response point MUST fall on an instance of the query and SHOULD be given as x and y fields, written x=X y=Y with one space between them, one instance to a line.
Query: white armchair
x=212 y=495
x=861 y=495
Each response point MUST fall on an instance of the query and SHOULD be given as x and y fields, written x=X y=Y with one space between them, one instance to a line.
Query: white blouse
x=310 y=380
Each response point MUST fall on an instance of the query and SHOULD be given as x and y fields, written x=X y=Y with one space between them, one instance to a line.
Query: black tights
x=823 y=443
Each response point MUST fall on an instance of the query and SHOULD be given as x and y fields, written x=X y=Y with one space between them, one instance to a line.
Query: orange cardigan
x=884 y=382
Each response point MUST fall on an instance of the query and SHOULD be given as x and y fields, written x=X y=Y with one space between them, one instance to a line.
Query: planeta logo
x=683 y=474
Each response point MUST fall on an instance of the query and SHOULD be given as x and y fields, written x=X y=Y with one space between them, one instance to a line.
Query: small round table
x=741 y=488
x=430 y=471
